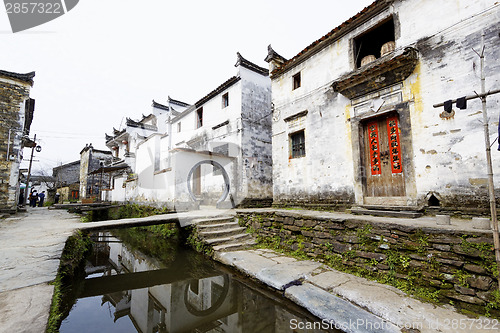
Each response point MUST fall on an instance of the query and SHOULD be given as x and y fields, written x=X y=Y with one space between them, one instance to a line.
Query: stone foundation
x=456 y=267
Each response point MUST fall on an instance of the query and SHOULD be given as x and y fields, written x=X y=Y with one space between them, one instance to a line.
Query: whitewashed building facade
x=353 y=119
x=214 y=152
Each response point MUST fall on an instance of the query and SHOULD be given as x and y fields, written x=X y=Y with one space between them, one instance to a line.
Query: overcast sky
x=108 y=59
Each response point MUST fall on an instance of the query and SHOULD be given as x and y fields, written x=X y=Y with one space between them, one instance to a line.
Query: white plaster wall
x=213 y=114
x=118 y=192
x=159 y=184
x=327 y=166
x=448 y=154
x=182 y=164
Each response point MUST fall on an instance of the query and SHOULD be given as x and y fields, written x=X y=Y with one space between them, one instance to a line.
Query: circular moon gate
x=214 y=306
x=224 y=175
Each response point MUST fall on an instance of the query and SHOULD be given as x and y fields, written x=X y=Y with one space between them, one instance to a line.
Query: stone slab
x=283 y=259
x=280 y=275
x=338 y=313
x=329 y=280
x=248 y=262
x=25 y=309
x=395 y=306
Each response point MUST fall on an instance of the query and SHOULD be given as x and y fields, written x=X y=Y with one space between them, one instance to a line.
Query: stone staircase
x=223 y=234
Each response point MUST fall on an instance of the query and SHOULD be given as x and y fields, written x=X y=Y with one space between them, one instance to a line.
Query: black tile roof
x=28 y=77
x=316 y=46
x=177 y=102
x=239 y=62
x=217 y=91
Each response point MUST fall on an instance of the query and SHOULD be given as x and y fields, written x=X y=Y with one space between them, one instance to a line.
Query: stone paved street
x=31 y=244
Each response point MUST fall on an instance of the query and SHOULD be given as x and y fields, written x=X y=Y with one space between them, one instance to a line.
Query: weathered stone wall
x=67 y=173
x=457 y=266
x=13 y=95
x=90 y=160
x=84 y=169
x=256 y=167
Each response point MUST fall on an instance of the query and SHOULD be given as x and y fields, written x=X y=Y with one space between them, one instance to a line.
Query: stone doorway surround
x=376 y=105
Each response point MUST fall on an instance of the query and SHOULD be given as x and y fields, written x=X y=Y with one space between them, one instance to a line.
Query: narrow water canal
x=165 y=287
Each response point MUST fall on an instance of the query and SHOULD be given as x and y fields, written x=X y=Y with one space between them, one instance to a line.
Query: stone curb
x=348 y=302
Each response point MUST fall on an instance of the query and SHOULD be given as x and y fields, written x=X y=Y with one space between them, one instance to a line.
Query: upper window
x=296 y=81
x=374 y=43
x=298 y=144
x=199 y=118
x=179 y=127
x=225 y=100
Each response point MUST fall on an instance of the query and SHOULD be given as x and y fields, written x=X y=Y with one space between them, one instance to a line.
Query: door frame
x=357 y=136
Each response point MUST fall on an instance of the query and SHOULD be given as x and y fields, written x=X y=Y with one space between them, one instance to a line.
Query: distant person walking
x=41 y=198
x=21 y=197
x=33 y=198
x=56 y=198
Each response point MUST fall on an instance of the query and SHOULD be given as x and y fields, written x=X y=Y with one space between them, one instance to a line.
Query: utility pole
x=29 y=171
x=169 y=130
x=491 y=186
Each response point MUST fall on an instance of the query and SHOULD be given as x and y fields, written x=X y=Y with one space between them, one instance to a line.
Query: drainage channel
x=133 y=283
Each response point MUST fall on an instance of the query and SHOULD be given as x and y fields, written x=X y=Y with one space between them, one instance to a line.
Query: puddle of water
x=172 y=289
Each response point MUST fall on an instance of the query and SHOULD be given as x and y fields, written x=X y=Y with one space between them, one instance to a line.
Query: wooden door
x=384 y=176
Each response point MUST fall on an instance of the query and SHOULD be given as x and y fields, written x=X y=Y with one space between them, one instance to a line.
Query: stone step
x=221 y=233
x=391 y=208
x=388 y=213
x=211 y=221
x=230 y=239
x=217 y=226
x=235 y=246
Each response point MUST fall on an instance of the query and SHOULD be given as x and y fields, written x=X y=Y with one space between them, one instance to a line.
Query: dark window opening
x=433 y=201
x=199 y=118
x=370 y=43
x=225 y=100
x=298 y=144
x=296 y=81
x=179 y=127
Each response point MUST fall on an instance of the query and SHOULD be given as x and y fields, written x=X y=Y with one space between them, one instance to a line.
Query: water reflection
x=128 y=291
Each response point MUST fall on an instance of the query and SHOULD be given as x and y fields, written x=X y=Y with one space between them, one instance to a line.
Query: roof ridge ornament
x=160 y=106
x=274 y=56
x=274 y=59
x=249 y=65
